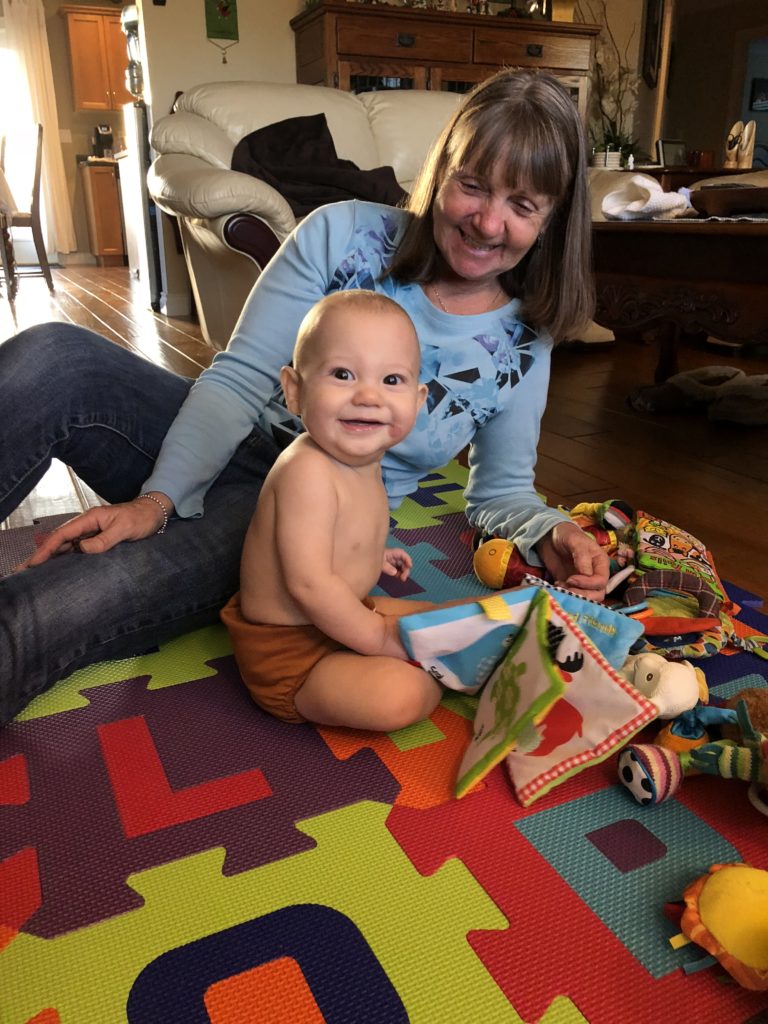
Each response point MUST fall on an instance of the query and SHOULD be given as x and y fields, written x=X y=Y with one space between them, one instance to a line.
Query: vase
x=608 y=158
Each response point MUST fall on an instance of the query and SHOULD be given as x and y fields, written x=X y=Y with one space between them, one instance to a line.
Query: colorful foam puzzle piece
x=130 y=755
x=20 y=893
x=186 y=658
x=425 y=770
x=435 y=576
x=556 y=945
x=614 y=876
x=438 y=494
x=205 y=731
x=416 y=927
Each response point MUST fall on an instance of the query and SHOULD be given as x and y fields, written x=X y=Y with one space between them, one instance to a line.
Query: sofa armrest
x=186 y=186
x=251 y=236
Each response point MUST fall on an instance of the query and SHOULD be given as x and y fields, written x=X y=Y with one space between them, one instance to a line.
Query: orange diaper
x=275 y=661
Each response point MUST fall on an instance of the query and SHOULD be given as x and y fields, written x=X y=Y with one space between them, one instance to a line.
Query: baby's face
x=358 y=391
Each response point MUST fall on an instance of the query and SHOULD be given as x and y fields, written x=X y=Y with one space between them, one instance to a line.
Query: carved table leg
x=668 y=335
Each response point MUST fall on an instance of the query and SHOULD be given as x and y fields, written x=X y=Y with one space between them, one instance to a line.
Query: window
x=16 y=120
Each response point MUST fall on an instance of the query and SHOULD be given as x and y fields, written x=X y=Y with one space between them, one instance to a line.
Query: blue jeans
x=70 y=394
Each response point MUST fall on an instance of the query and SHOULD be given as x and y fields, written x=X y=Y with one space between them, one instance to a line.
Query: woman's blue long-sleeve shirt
x=487 y=377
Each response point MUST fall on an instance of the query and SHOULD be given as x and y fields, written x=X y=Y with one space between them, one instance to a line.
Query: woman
x=491 y=260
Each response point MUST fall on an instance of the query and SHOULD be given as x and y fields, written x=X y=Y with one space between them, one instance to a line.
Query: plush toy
x=673 y=686
x=747 y=761
x=652 y=772
x=726 y=912
x=498 y=564
x=689 y=729
x=756 y=699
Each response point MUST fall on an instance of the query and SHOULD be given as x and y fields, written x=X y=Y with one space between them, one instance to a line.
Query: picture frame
x=671 y=153
x=758 y=94
x=654 y=14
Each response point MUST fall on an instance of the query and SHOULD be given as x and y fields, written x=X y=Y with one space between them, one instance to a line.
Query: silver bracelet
x=163 y=509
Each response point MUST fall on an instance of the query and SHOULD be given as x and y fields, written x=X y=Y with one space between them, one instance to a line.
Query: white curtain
x=26 y=36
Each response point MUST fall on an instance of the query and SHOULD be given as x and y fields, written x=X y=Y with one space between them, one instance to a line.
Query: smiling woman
x=482 y=228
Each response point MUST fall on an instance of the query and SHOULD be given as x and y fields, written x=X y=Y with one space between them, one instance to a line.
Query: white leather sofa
x=232 y=223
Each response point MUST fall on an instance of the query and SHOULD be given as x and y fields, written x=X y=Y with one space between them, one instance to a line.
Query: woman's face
x=482 y=227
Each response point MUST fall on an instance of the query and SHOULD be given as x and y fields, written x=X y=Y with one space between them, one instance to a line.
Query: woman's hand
x=575 y=561
x=397 y=563
x=102 y=528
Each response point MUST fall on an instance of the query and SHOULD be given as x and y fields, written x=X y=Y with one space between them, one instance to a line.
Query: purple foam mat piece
x=205 y=729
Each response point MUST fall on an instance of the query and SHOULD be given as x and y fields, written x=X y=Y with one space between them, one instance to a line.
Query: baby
x=309 y=642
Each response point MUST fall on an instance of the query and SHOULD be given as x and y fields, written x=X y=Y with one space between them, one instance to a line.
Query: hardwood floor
x=709 y=478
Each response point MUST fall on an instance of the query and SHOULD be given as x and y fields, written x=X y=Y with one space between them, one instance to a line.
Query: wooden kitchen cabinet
x=103 y=210
x=98 y=57
x=358 y=47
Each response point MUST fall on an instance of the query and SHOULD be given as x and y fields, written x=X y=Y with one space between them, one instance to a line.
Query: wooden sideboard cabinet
x=98 y=57
x=102 y=205
x=358 y=47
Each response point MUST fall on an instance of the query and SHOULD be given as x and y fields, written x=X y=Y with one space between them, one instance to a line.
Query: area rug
x=169 y=853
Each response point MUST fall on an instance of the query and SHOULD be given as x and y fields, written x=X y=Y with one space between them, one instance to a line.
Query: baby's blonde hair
x=347 y=300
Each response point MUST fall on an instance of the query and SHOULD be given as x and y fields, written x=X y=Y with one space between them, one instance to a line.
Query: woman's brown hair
x=527 y=120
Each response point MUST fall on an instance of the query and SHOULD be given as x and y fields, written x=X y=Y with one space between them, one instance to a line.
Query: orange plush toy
x=726 y=912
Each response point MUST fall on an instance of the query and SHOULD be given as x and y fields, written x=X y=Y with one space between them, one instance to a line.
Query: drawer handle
x=405 y=39
x=534 y=50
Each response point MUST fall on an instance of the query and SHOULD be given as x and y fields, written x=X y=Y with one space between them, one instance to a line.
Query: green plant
x=614 y=84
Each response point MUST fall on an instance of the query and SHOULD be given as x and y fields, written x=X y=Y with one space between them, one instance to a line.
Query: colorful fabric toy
x=462 y=645
x=498 y=564
x=673 y=686
x=653 y=772
x=747 y=761
x=552 y=707
x=650 y=773
x=726 y=912
x=657 y=570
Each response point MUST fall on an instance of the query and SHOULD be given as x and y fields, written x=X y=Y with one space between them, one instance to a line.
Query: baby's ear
x=421 y=397
x=291 y=385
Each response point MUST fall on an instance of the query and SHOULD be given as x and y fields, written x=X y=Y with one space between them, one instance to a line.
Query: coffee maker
x=103 y=144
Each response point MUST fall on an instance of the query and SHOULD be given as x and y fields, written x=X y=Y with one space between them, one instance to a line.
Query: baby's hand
x=397 y=563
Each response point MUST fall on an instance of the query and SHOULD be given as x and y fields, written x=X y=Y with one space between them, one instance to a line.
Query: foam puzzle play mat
x=170 y=854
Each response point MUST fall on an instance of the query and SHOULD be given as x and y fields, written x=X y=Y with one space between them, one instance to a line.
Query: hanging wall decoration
x=221 y=23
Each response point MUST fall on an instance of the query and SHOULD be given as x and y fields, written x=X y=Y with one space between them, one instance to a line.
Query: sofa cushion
x=404 y=124
x=238 y=108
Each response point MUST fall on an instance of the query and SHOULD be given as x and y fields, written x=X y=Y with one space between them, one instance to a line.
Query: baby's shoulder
x=305 y=460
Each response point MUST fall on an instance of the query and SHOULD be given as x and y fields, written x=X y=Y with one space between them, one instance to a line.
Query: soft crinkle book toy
x=460 y=646
x=552 y=706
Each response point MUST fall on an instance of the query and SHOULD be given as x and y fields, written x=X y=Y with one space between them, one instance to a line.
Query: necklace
x=491 y=305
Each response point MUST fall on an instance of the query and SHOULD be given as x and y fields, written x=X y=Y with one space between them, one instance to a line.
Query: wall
x=177 y=55
x=757 y=67
x=710 y=43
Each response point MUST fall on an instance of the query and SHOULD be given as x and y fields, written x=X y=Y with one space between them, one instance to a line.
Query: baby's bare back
x=314 y=517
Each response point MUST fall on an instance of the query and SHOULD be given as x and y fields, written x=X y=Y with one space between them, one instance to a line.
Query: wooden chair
x=31 y=218
x=7 y=261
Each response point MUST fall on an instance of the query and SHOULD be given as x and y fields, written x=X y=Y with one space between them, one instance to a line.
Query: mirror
x=718 y=49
